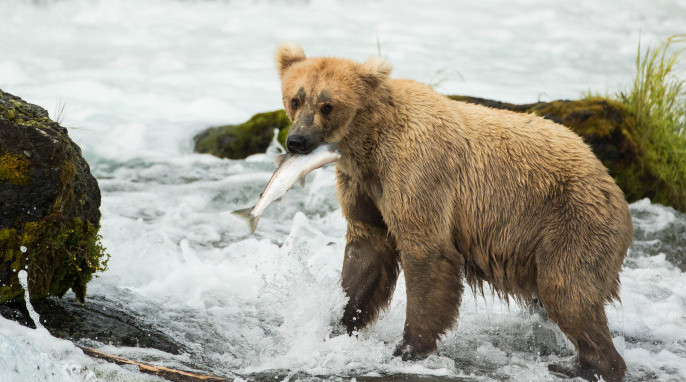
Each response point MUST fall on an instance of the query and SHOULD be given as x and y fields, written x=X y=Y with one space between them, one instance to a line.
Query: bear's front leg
x=371 y=262
x=370 y=271
x=433 y=277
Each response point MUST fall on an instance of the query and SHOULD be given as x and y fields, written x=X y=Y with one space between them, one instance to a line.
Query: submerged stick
x=160 y=371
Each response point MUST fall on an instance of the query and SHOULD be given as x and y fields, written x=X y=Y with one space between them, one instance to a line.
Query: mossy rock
x=609 y=128
x=239 y=141
x=49 y=206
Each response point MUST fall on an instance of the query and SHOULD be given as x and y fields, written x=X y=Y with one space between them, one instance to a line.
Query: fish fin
x=301 y=182
x=247 y=216
x=279 y=159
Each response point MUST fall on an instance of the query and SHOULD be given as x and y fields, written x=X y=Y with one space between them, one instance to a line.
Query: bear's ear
x=375 y=71
x=287 y=54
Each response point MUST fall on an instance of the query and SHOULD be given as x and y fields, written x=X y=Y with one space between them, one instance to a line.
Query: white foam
x=23 y=277
x=34 y=355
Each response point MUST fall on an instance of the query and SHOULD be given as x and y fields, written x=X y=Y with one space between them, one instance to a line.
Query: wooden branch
x=160 y=371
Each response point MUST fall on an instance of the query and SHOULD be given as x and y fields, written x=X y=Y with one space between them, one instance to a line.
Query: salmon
x=291 y=169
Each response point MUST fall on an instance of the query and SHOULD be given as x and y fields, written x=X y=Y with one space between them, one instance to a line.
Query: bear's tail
x=250 y=218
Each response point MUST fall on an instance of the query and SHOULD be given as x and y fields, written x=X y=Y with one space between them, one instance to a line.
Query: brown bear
x=451 y=191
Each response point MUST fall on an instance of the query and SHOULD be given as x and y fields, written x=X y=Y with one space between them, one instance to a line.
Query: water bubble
x=22 y=249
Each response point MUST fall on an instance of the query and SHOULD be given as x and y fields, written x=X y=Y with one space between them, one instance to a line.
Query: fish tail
x=247 y=216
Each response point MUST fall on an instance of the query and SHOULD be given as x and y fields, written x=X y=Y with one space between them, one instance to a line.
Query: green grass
x=59 y=112
x=657 y=102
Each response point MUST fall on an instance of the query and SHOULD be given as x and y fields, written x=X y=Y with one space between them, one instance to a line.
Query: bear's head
x=323 y=95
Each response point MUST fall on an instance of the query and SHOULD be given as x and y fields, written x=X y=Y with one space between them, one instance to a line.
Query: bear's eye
x=295 y=103
x=326 y=109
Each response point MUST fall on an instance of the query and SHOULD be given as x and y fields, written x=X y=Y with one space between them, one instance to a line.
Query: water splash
x=24 y=281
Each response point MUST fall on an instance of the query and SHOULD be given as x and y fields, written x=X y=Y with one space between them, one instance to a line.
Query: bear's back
x=507 y=175
x=514 y=147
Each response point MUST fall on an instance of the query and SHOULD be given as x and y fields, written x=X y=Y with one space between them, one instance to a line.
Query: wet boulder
x=247 y=138
x=609 y=128
x=605 y=125
x=101 y=321
x=49 y=206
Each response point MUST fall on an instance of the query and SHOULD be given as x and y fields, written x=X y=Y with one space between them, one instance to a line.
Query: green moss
x=20 y=112
x=67 y=176
x=74 y=247
x=277 y=118
x=14 y=169
x=646 y=153
x=283 y=134
x=11 y=114
x=67 y=172
x=587 y=117
x=83 y=255
x=239 y=141
x=592 y=116
x=608 y=127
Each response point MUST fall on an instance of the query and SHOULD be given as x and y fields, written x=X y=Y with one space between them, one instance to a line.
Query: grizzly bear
x=451 y=191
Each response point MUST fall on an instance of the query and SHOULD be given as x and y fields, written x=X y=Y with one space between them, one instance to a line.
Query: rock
x=609 y=128
x=604 y=124
x=49 y=206
x=239 y=141
x=101 y=321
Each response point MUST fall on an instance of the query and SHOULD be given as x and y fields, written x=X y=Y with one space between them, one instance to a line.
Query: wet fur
x=454 y=191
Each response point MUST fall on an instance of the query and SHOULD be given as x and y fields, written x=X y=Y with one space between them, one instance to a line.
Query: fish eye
x=326 y=109
x=295 y=103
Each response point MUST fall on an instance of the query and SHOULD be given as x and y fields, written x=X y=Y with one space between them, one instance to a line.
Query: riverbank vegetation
x=656 y=101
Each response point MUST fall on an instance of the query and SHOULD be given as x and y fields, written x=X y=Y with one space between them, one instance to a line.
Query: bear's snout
x=299 y=144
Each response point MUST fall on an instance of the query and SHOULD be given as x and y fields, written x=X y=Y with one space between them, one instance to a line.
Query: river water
x=134 y=81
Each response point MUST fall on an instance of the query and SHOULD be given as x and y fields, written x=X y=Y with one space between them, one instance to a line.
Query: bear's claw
x=408 y=353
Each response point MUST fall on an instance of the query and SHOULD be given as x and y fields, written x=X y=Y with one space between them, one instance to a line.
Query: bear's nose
x=297 y=144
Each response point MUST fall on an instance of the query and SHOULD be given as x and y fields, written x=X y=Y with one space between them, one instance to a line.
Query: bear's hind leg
x=433 y=278
x=585 y=324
